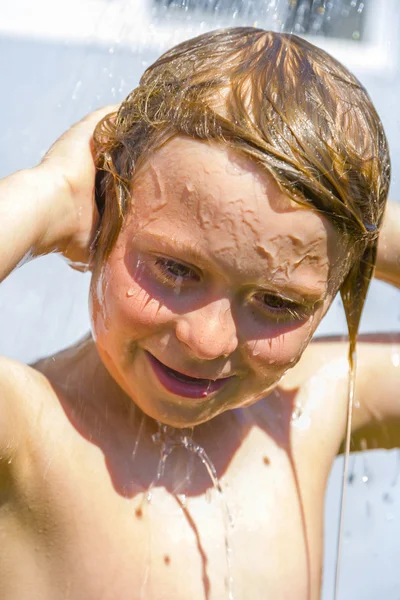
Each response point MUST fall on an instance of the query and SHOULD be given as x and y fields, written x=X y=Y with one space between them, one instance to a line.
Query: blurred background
x=60 y=60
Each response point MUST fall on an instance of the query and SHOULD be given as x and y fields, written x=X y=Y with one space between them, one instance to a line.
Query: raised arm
x=51 y=207
x=388 y=259
x=44 y=209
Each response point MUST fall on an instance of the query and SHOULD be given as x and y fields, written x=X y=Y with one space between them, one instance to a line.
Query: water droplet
x=387 y=497
x=178 y=284
x=356 y=35
x=297 y=412
x=182 y=499
x=76 y=90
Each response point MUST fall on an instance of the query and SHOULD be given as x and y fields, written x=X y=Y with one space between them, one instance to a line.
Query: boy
x=239 y=188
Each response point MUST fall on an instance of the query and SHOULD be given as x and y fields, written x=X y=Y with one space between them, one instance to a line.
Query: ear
x=355 y=287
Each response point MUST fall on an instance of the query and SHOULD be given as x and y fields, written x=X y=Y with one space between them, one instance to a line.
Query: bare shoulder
x=22 y=392
x=324 y=367
x=321 y=357
x=376 y=350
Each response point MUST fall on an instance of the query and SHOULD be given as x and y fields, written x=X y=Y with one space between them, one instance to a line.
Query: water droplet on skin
x=178 y=284
x=182 y=499
x=130 y=293
x=395 y=359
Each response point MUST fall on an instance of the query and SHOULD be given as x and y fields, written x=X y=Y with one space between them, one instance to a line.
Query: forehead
x=212 y=196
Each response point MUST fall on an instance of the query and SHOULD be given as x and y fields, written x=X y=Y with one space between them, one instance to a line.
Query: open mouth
x=183 y=385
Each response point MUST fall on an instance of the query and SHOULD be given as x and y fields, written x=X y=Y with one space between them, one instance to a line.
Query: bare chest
x=97 y=534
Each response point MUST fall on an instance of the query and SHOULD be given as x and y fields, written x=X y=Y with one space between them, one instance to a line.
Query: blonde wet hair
x=291 y=107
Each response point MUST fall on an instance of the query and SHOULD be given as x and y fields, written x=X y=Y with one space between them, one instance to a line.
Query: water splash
x=138 y=438
x=165 y=451
x=199 y=451
x=350 y=403
x=169 y=438
x=366 y=476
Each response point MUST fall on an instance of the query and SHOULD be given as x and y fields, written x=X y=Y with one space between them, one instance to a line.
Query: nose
x=209 y=332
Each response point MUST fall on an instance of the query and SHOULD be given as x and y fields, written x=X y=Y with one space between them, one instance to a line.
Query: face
x=214 y=287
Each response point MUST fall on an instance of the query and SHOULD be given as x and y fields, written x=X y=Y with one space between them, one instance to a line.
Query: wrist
x=54 y=209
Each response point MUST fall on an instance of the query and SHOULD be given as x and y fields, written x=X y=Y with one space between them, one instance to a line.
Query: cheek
x=121 y=309
x=281 y=348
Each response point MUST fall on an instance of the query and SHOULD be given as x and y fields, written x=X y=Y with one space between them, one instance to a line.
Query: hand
x=72 y=213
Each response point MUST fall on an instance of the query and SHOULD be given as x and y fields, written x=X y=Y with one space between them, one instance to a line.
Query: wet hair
x=286 y=104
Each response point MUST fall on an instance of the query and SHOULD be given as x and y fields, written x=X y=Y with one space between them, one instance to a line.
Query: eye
x=174 y=272
x=279 y=307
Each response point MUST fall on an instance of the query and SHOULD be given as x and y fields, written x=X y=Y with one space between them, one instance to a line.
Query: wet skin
x=209 y=276
x=216 y=274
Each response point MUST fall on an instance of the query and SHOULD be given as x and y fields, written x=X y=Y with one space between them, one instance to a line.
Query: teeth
x=185 y=378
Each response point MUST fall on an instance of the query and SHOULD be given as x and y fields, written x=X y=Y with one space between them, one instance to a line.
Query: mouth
x=183 y=385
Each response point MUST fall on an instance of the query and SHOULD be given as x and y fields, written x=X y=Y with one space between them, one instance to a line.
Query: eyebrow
x=187 y=252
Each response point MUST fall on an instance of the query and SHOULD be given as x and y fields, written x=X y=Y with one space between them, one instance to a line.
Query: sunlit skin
x=217 y=274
